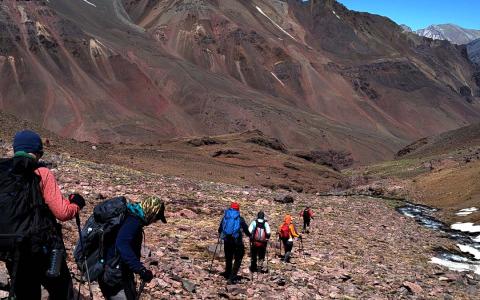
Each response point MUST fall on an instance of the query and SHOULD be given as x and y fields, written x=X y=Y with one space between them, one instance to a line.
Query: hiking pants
x=306 y=223
x=257 y=252
x=31 y=276
x=288 y=246
x=126 y=290
x=233 y=250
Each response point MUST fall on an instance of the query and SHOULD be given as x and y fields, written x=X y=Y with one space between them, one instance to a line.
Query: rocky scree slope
x=312 y=74
x=358 y=248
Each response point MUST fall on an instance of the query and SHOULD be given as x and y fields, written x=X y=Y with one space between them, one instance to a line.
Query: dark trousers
x=306 y=223
x=288 y=246
x=31 y=276
x=233 y=251
x=257 y=252
x=125 y=290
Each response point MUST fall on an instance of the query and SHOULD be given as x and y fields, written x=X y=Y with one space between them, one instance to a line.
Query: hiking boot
x=225 y=275
x=287 y=257
x=233 y=280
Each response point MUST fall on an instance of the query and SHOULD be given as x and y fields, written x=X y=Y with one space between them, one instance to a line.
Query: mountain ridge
x=450 y=32
x=154 y=70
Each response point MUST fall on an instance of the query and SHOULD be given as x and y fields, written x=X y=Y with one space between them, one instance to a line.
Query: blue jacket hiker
x=230 y=231
x=125 y=251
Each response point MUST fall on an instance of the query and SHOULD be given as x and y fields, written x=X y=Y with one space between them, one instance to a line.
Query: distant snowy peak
x=450 y=32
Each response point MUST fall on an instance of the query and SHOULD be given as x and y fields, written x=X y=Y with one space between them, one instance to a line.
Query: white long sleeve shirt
x=253 y=226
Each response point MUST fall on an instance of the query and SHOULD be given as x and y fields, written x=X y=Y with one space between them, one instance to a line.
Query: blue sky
x=421 y=13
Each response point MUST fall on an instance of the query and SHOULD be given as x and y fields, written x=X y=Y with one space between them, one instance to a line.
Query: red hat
x=235 y=206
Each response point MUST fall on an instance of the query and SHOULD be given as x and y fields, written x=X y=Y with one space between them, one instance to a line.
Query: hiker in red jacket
x=32 y=216
x=307 y=215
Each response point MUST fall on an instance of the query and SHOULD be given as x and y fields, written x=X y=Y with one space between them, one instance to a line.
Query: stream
x=465 y=235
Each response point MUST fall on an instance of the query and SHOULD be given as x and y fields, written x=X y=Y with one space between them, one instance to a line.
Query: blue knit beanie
x=27 y=141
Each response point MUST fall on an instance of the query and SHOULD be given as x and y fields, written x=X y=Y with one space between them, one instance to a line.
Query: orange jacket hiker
x=292 y=232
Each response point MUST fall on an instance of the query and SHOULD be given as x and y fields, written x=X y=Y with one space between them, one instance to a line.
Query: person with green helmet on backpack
x=118 y=282
x=230 y=231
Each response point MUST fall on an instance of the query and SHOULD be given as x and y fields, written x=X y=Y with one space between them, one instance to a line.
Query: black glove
x=146 y=275
x=77 y=199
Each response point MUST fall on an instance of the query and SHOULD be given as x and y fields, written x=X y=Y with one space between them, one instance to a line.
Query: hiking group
x=108 y=250
x=31 y=241
x=259 y=232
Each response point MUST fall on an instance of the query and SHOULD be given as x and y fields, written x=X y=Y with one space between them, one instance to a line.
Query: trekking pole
x=266 y=254
x=280 y=243
x=251 y=257
x=77 y=220
x=213 y=258
x=140 y=290
x=303 y=249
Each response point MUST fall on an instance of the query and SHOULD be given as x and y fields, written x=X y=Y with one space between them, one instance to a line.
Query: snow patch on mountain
x=466 y=211
x=278 y=79
x=450 y=32
x=466 y=227
x=90 y=3
x=338 y=17
x=274 y=23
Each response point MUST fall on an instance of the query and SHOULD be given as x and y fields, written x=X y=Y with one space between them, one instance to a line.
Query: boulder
x=189 y=286
x=412 y=287
x=284 y=199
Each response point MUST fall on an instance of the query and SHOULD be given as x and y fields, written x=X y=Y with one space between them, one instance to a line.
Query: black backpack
x=98 y=234
x=27 y=226
x=25 y=219
x=306 y=213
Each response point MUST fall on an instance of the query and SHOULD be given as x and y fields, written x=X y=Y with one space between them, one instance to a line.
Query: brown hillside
x=314 y=75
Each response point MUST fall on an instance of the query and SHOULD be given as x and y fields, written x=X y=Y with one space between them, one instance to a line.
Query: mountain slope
x=356 y=249
x=450 y=32
x=439 y=171
x=314 y=75
x=406 y=28
x=473 y=49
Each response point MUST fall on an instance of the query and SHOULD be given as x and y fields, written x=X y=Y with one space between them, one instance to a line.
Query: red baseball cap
x=235 y=206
